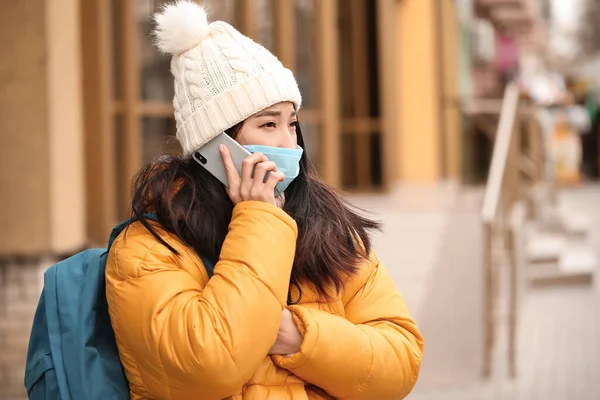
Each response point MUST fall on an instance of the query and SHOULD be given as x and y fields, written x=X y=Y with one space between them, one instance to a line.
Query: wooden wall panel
x=41 y=178
x=99 y=138
x=67 y=194
x=328 y=71
x=388 y=87
x=24 y=180
x=284 y=24
x=131 y=141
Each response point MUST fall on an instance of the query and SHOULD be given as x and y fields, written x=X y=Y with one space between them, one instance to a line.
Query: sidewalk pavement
x=558 y=334
x=432 y=247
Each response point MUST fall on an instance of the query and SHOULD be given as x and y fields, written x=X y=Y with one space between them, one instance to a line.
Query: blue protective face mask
x=287 y=161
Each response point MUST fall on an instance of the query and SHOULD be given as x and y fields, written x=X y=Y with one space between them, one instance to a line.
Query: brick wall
x=20 y=287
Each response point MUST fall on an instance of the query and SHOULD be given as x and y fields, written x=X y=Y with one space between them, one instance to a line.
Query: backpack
x=72 y=352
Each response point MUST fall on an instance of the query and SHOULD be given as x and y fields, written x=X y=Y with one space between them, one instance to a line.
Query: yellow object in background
x=566 y=152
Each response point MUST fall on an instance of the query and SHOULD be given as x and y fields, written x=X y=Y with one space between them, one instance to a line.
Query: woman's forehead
x=284 y=109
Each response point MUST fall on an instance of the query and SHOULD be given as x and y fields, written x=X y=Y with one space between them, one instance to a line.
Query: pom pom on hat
x=180 y=27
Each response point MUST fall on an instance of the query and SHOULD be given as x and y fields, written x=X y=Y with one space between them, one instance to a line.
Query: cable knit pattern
x=224 y=79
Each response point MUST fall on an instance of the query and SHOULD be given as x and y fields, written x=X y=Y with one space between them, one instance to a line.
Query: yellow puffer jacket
x=181 y=336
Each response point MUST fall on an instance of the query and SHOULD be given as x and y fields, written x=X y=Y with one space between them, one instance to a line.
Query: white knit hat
x=221 y=76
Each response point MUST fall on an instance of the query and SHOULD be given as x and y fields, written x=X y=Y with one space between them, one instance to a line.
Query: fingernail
x=221 y=148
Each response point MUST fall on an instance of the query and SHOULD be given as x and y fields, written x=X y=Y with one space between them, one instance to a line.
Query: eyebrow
x=267 y=113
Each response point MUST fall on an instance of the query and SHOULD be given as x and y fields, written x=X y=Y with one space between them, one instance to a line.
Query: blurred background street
x=468 y=127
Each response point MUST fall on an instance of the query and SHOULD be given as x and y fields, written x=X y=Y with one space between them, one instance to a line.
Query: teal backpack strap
x=117 y=230
x=208 y=264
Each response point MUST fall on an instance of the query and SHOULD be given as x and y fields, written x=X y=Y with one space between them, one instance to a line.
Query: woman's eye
x=294 y=124
x=270 y=125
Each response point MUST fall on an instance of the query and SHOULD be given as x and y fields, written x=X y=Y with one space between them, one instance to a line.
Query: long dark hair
x=190 y=203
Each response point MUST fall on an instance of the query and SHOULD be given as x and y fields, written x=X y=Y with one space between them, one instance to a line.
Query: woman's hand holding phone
x=258 y=180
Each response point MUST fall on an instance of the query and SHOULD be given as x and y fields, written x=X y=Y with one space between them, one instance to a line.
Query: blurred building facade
x=391 y=89
x=502 y=40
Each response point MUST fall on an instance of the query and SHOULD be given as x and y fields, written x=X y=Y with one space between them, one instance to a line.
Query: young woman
x=298 y=307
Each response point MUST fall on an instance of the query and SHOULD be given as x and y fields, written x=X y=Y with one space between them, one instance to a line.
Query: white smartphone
x=209 y=156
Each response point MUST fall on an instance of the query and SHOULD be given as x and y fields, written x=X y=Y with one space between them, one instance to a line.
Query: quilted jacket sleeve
x=188 y=341
x=372 y=353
